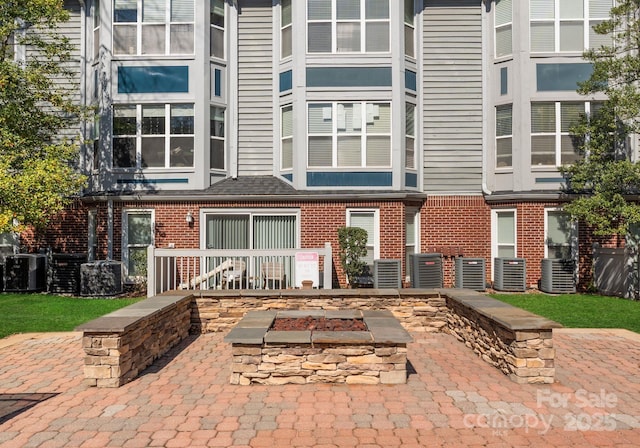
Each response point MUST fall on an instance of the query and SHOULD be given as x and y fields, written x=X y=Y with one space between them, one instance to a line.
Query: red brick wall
x=452 y=222
x=453 y=225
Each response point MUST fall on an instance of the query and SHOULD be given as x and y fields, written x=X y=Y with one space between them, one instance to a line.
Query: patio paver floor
x=452 y=399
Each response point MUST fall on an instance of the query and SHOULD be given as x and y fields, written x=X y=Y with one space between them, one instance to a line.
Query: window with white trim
x=356 y=134
x=153 y=136
x=348 y=26
x=368 y=220
x=560 y=234
x=567 y=25
x=503 y=224
x=503 y=28
x=286 y=37
x=137 y=234
x=142 y=27
x=410 y=136
x=409 y=28
x=412 y=238
x=551 y=123
x=247 y=229
x=286 y=136
x=504 y=136
x=217 y=150
x=216 y=31
x=95 y=14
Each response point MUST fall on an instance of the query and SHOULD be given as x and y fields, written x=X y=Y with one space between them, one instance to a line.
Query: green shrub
x=353 y=246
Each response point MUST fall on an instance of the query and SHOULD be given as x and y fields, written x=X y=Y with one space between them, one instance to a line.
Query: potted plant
x=353 y=246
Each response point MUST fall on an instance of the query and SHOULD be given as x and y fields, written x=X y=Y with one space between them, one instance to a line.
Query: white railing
x=203 y=269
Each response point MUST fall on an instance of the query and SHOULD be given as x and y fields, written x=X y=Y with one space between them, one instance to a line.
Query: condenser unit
x=557 y=276
x=25 y=273
x=101 y=278
x=510 y=274
x=387 y=274
x=64 y=273
x=427 y=270
x=470 y=273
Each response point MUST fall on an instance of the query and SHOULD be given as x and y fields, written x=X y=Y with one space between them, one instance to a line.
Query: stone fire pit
x=377 y=355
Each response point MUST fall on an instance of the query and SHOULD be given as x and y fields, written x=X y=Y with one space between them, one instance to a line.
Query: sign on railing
x=205 y=269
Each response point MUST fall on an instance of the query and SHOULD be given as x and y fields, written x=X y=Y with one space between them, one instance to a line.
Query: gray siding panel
x=452 y=83
x=255 y=88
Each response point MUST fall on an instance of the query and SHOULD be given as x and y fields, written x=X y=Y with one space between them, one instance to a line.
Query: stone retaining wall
x=122 y=344
x=514 y=341
x=417 y=310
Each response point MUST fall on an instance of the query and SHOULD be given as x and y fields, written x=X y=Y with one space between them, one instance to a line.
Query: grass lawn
x=26 y=313
x=580 y=310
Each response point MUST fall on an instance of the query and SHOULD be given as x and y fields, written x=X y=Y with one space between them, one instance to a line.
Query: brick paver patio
x=452 y=398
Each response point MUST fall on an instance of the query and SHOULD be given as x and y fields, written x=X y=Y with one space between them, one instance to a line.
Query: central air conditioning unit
x=510 y=274
x=427 y=271
x=101 y=278
x=64 y=273
x=387 y=274
x=557 y=276
x=470 y=273
x=25 y=273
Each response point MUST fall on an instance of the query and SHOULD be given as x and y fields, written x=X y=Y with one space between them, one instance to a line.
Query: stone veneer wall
x=279 y=364
x=417 y=310
x=525 y=356
x=122 y=344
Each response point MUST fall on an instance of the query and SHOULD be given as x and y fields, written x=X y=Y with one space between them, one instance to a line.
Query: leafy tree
x=37 y=174
x=607 y=177
x=353 y=246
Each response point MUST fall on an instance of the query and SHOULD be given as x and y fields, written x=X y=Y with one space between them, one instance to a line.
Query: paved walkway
x=451 y=399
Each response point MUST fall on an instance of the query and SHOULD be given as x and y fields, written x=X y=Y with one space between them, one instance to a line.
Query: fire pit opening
x=310 y=323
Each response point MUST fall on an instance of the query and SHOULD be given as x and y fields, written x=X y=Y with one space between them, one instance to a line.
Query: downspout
x=110 y=229
x=485 y=95
x=232 y=106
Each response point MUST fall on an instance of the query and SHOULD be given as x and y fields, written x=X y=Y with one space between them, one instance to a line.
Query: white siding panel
x=255 y=88
x=452 y=83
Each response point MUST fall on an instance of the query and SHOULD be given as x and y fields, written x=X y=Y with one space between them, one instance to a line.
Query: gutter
x=191 y=197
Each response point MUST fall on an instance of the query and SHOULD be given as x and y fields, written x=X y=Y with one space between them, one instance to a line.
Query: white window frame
x=284 y=138
x=363 y=133
x=363 y=21
x=558 y=132
x=587 y=24
x=139 y=24
x=251 y=213
x=283 y=28
x=167 y=138
x=223 y=29
x=499 y=27
x=410 y=28
x=494 y=233
x=573 y=237
x=217 y=138
x=410 y=162
x=96 y=22
x=412 y=213
x=504 y=137
x=376 y=227
x=125 y=236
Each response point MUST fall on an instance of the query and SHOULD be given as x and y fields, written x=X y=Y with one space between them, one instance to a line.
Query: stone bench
x=517 y=342
x=121 y=344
